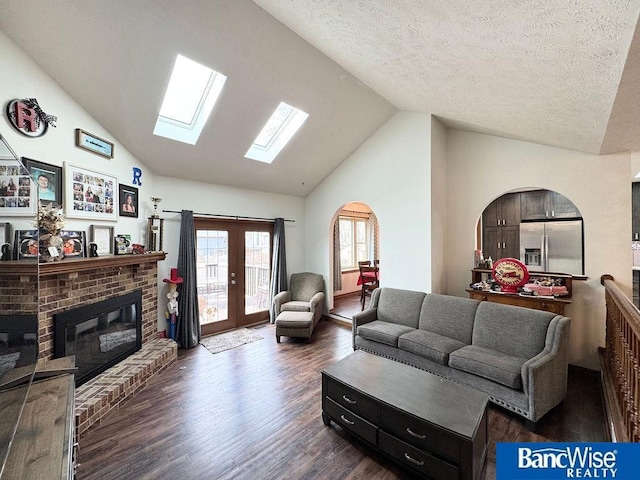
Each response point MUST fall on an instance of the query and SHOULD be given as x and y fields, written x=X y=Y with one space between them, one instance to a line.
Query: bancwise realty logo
x=559 y=461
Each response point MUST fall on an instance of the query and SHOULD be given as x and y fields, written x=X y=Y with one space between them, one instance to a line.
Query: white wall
x=482 y=167
x=390 y=172
x=218 y=199
x=20 y=77
x=439 y=214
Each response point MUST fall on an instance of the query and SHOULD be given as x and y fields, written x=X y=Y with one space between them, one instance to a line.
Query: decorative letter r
x=137 y=174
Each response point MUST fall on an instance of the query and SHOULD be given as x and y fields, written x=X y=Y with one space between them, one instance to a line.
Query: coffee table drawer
x=352 y=400
x=420 y=434
x=351 y=421
x=417 y=459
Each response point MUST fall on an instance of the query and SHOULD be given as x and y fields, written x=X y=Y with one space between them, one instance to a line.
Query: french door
x=233 y=260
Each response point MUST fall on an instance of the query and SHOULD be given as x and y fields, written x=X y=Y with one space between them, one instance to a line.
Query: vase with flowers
x=50 y=221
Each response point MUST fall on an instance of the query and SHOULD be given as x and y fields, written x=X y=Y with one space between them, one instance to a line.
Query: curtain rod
x=356 y=211
x=233 y=217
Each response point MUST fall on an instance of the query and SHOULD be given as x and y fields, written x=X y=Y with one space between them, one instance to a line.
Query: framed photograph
x=5 y=232
x=17 y=192
x=128 y=201
x=73 y=243
x=102 y=236
x=122 y=243
x=89 y=194
x=26 y=245
x=94 y=144
x=48 y=180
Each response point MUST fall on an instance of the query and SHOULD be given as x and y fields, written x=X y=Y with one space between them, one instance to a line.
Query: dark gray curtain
x=188 y=322
x=278 y=281
x=337 y=266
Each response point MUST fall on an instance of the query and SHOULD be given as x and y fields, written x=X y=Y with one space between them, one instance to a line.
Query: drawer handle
x=416 y=435
x=413 y=460
x=348 y=400
x=349 y=422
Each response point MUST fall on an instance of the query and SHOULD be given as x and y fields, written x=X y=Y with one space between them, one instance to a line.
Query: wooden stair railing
x=620 y=361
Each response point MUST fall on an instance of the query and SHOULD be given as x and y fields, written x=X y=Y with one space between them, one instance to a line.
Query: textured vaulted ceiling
x=547 y=71
x=556 y=72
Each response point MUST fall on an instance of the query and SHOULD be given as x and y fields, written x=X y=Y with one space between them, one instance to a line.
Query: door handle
x=233 y=282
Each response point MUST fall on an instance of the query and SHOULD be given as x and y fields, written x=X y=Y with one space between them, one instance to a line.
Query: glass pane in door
x=257 y=261
x=212 y=264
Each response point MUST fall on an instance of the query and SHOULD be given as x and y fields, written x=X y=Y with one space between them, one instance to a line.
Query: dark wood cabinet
x=501 y=242
x=501 y=228
x=503 y=211
x=635 y=211
x=546 y=205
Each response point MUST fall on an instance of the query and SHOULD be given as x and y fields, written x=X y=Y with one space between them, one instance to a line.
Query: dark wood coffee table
x=436 y=428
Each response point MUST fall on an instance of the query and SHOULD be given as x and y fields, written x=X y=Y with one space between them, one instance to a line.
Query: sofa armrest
x=316 y=306
x=544 y=377
x=361 y=318
x=278 y=300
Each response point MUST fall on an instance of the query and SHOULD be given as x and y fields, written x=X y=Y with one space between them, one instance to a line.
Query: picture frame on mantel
x=74 y=243
x=102 y=236
x=122 y=244
x=89 y=194
x=26 y=245
x=5 y=232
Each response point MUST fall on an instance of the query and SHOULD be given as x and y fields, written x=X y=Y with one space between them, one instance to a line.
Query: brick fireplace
x=71 y=283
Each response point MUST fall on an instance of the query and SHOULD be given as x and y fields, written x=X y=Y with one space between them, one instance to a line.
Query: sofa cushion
x=496 y=366
x=295 y=306
x=383 y=332
x=516 y=331
x=399 y=306
x=294 y=320
x=449 y=316
x=429 y=345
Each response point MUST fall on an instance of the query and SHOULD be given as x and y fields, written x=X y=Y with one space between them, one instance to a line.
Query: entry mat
x=226 y=341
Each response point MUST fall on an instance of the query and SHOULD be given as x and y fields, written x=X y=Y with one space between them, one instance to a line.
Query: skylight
x=279 y=129
x=192 y=92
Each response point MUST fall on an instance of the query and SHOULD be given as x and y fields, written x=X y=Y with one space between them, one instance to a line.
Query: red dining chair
x=370 y=281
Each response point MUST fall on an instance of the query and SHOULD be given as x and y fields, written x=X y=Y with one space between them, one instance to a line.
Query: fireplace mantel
x=27 y=267
x=96 y=263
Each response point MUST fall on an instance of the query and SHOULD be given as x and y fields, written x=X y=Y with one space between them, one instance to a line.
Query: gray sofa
x=518 y=356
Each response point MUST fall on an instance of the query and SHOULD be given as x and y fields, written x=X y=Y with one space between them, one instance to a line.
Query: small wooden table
x=554 y=305
x=434 y=427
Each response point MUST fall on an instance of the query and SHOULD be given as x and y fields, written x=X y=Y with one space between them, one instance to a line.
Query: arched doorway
x=542 y=228
x=355 y=239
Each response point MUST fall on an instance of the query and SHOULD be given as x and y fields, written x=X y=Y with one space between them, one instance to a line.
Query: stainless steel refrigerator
x=552 y=246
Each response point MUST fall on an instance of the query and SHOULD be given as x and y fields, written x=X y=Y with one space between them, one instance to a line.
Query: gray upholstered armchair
x=305 y=294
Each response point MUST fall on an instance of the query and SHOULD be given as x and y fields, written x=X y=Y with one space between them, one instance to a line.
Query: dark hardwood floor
x=346 y=305
x=254 y=412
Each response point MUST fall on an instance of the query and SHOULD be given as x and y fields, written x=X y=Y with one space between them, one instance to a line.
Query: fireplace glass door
x=233 y=260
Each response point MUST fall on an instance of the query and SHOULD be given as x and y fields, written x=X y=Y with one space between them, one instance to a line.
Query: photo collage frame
x=89 y=194
x=16 y=192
